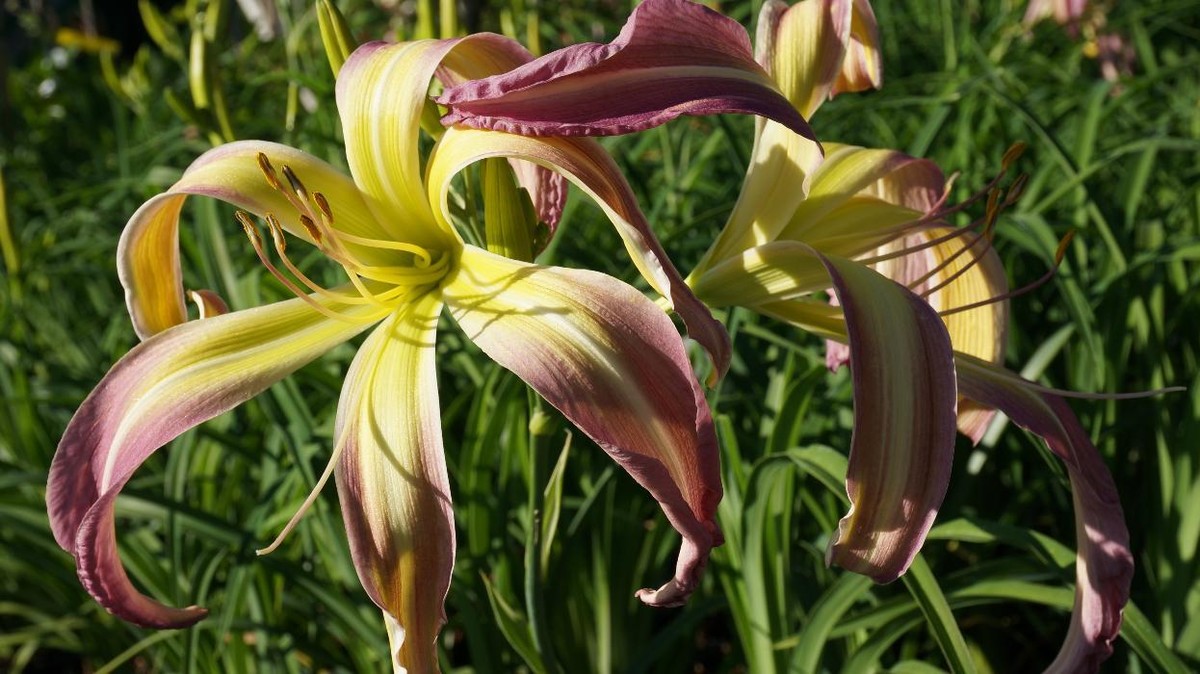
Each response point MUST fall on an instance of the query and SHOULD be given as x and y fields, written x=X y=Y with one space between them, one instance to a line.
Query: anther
x=1012 y=154
x=277 y=233
x=249 y=228
x=297 y=186
x=1061 y=252
x=1017 y=189
x=268 y=171
x=323 y=207
x=311 y=228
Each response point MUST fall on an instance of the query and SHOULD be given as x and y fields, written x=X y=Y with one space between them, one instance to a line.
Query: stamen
x=955 y=233
x=1011 y=155
x=281 y=248
x=257 y=243
x=312 y=495
x=421 y=254
x=950 y=260
x=1016 y=190
x=1059 y=254
x=323 y=207
x=312 y=229
x=297 y=186
x=264 y=165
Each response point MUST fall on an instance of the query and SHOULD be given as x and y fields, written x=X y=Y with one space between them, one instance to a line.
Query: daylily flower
x=923 y=312
x=594 y=347
x=922 y=307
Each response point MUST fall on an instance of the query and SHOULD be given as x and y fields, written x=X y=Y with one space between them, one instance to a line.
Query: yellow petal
x=148 y=253
x=392 y=481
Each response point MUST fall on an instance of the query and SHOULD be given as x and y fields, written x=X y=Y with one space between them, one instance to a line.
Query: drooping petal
x=904 y=414
x=584 y=162
x=862 y=67
x=613 y=364
x=672 y=58
x=148 y=253
x=480 y=58
x=1104 y=565
x=164 y=386
x=392 y=481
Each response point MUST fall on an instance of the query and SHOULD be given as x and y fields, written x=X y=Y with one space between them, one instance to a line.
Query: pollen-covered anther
x=1011 y=155
x=323 y=207
x=249 y=228
x=268 y=171
x=311 y=228
x=277 y=233
x=294 y=181
x=1016 y=190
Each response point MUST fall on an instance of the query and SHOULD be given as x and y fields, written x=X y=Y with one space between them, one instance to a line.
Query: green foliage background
x=553 y=542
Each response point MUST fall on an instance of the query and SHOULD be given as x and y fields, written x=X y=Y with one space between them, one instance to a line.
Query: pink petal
x=164 y=386
x=1104 y=566
x=611 y=361
x=672 y=58
x=904 y=413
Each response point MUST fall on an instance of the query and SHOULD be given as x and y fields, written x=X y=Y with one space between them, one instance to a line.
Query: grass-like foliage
x=554 y=539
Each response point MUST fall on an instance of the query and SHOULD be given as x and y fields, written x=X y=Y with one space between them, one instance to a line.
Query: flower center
x=381 y=272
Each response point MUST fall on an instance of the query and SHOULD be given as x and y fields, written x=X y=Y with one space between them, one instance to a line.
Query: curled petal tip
x=670 y=595
x=672 y=58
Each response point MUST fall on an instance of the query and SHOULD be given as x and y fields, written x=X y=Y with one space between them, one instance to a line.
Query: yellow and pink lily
x=920 y=306
x=594 y=347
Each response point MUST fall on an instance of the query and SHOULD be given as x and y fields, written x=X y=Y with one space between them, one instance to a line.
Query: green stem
x=535 y=604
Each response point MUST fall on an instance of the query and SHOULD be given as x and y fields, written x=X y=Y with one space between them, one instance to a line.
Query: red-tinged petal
x=547 y=189
x=208 y=303
x=584 y=162
x=148 y=253
x=613 y=364
x=862 y=68
x=392 y=481
x=491 y=55
x=672 y=58
x=904 y=413
x=164 y=386
x=1104 y=565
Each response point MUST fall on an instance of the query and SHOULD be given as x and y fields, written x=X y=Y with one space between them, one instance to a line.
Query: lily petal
x=848 y=172
x=490 y=55
x=672 y=58
x=862 y=68
x=904 y=410
x=164 y=386
x=148 y=253
x=776 y=184
x=584 y=162
x=981 y=332
x=392 y=481
x=612 y=363
x=803 y=48
x=772 y=272
x=1104 y=566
